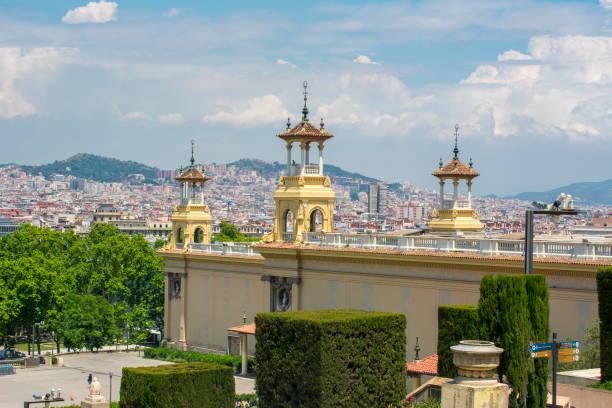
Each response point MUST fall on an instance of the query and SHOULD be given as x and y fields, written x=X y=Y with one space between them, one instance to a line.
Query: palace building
x=304 y=265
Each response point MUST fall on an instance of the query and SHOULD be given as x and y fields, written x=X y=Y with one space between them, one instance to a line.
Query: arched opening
x=198 y=235
x=288 y=222
x=316 y=221
x=180 y=236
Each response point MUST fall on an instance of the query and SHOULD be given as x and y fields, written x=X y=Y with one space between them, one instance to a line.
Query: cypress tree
x=604 y=294
x=455 y=323
x=538 y=309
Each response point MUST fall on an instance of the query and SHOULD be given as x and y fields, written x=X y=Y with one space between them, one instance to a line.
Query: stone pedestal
x=95 y=404
x=477 y=385
x=483 y=394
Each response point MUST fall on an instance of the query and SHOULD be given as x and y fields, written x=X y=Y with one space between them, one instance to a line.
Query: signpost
x=561 y=352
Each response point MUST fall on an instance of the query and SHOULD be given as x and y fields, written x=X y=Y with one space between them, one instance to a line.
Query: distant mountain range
x=105 y=169
x=588 y=192
x=92 y=167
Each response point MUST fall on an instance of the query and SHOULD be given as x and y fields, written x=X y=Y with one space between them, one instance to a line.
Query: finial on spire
x=471 y=163
x=192 y=158
x=322 y=124
x=305 y=110
x=417 y=348
x=288 y=123
x=456 y=149
x=441 y=163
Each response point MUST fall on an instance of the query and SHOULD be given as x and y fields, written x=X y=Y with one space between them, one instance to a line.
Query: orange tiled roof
x=192 y=174
x=305 y=130
x=428 y=366
x=243 y=329
x=455 y=168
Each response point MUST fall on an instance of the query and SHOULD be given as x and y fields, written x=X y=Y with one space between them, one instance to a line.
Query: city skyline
x=137 y=81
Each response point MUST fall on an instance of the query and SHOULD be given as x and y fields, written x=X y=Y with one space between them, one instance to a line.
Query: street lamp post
x=554 y=210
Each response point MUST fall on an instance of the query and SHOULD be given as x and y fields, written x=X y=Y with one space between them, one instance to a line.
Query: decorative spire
x=192 y=158
x=441 y=163
x=456 y=149
x=288 y=123
x=305 y=110
x=471 y=163
x=417 y=348
x=322 y=124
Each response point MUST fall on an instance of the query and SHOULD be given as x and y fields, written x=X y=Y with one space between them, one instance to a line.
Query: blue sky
x=529 y=82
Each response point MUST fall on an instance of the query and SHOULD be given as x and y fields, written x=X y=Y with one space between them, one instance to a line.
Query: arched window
x=198 y=235
x=180 y=237
x=288 y=221
x=316 y=221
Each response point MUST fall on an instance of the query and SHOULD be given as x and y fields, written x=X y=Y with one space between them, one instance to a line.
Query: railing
x=288 y=236
x=296 y=170
x=488 y=246
x=451 y=204
x=223 y=249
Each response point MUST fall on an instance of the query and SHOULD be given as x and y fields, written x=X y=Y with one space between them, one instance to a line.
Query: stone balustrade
x=224 y=249
x=485 y=246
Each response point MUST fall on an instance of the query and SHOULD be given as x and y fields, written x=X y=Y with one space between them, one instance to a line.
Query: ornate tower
x=304 y=198
x=191 y=219
x=455 y=215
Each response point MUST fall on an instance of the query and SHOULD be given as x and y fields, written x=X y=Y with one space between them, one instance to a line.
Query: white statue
x=95 y=391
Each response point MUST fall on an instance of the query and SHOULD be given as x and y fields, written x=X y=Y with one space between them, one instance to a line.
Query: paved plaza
x=72 y=379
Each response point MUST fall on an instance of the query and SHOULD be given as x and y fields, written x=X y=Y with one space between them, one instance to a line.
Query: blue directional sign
x=539 y=347
x=569 y=344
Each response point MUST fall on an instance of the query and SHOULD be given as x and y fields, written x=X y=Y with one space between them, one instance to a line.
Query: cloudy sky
x=529 y=82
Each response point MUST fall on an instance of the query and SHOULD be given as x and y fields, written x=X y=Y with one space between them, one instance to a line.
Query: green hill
x=588 y=192
x=266 y=169
x=92 y=167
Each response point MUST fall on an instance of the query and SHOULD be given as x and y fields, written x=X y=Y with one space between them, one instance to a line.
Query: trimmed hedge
x=178 y=356
x=183 y=385
x=455 y=323
x=330 y=358
x=538 y=312
x=604 y=294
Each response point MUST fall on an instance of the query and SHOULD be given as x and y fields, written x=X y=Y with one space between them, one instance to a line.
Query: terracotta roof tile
x=428 y=366
x=192 y=174
x=305 y=129
x=243 y=329
x=455 y=168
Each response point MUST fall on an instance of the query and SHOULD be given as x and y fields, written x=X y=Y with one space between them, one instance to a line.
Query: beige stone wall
x=219 y=289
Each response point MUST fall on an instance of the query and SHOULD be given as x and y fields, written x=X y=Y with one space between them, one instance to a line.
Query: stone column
x=476 y=386
x=288 y=159
x=455 y=190
x=469 y=192
x=320 y=159
x=244 y=350
x=303 y=158
x=441 y=194
x=307 y=154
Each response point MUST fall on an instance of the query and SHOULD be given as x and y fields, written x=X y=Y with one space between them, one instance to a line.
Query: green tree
x=85 y=321
x=228 y=233
x=604 y=294
x=159 y=244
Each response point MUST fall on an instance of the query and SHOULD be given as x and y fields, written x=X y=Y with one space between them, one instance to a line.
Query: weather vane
x=305 y=110
x=456 y=149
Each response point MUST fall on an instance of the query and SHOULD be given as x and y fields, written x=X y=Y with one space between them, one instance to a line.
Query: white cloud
x=512 y=55
x=607 y=4
x=364 y=59
x=136 y=116
x=20 y=68
x=171 y=118
x=259 y=110
x=173 y=12
x=100 y=12
x=284 y=62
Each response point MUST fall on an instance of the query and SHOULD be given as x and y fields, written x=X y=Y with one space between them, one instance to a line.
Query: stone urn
x=476 y=359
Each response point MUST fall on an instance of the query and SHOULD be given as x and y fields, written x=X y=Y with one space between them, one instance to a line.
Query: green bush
x=200 y=385
x=538 y=311
x=503 y=312
x=178 y=356
x=604 y=294
x=455 y=323
x=250 y=398
x=603 y=386
x=330 y=358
